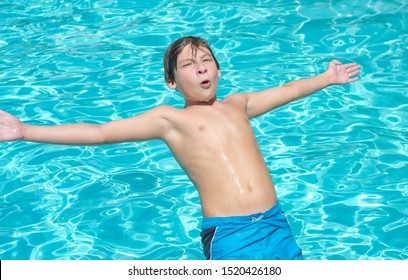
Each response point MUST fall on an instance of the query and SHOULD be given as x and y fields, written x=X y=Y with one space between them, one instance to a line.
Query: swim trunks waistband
x=217 y=221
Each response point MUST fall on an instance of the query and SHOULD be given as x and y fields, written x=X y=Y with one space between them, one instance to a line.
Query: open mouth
x=205 y=84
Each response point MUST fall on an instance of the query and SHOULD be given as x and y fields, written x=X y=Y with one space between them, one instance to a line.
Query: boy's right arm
x=153 y=124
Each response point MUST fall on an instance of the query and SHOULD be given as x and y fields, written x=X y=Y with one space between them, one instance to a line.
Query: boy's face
x=196 y=76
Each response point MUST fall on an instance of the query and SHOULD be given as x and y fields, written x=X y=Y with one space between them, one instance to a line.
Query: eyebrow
x=192 y=59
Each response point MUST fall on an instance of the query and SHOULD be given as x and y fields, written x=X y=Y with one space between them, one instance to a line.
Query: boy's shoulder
x=168 y=111
x=237 y=100
x=171 y=113
x=236 y=97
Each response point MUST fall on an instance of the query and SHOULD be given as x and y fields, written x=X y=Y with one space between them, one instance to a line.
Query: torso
x=216 y=147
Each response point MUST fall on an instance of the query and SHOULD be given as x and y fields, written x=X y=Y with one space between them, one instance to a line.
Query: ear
x=219 y=73
x=171 y=85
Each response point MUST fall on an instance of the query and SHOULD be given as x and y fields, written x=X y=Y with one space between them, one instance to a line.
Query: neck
x=210 y=102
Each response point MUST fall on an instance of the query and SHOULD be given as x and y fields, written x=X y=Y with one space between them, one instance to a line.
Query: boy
x=214 y=144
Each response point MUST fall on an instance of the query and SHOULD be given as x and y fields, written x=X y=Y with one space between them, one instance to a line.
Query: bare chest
x=221 y=125
x=210 y=130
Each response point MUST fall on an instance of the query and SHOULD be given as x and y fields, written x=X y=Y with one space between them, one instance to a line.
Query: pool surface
x=339 y=158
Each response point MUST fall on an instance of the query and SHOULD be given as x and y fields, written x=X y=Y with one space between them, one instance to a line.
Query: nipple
x=201 y=128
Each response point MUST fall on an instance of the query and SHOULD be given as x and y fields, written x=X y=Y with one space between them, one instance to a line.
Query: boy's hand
x=342 y=73
x=10 y=127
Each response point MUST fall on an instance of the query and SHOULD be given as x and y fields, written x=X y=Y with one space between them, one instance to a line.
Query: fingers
x=3 y=115
x=352 y=66
x=353 y=70
x=336 y=62
x=6 y=119
x=10 y=127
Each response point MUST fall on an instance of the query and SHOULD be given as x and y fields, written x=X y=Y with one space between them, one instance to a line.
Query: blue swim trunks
x=262 y=236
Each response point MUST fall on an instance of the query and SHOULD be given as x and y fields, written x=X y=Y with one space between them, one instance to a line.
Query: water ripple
x=338 y=158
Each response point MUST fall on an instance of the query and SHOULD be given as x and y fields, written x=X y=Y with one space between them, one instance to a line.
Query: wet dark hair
x=174 y=50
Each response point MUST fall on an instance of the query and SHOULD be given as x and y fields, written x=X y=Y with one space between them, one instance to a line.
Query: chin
x=209 y=98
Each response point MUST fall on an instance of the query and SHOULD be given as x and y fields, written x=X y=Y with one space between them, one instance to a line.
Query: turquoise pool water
x=338 y=158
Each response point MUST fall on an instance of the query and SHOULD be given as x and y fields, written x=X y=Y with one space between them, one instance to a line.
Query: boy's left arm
x=337 y=73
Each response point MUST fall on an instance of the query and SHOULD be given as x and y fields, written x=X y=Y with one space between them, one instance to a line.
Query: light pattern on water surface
x=338 y=158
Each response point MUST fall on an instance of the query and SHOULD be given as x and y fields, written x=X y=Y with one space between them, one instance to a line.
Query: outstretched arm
x=337 y=73
x=152 y=124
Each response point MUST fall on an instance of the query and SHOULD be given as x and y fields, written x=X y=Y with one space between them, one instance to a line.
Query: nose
x=201 y=69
